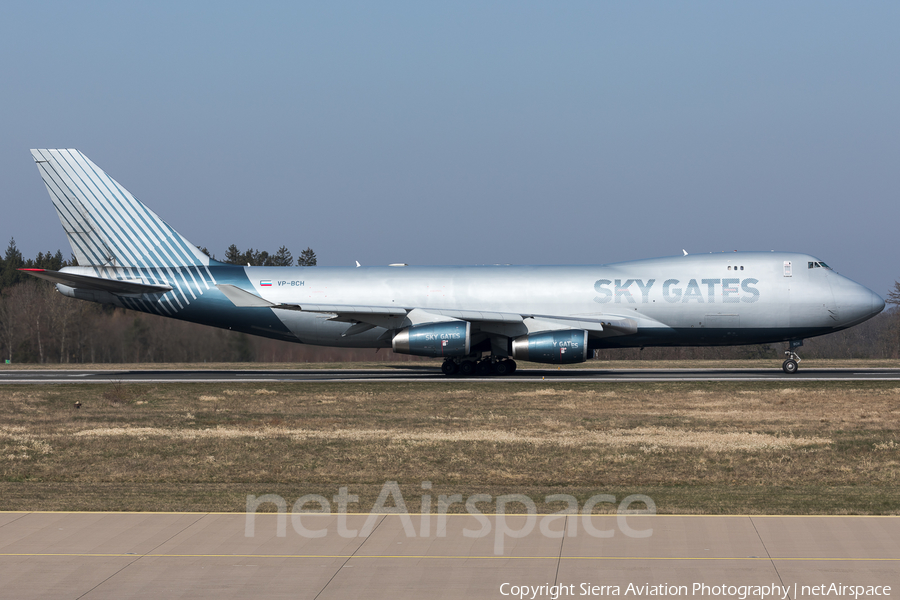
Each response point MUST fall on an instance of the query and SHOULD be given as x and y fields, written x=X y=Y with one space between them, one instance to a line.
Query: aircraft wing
x=99 y=284
x=391 y=316
x=348 y=312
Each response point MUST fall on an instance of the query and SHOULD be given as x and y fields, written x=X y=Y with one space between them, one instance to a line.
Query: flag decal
x=266 y=283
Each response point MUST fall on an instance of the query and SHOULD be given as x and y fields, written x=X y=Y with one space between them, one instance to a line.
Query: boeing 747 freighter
x=480 y=320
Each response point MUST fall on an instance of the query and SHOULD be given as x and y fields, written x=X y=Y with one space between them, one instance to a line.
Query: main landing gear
x=791 y=364
x=482 y=368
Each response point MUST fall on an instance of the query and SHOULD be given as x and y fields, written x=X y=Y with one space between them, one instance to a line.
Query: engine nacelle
x=437 y=340
x=556 y=347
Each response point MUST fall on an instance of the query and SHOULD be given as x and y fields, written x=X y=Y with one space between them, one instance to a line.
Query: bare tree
x=63 y=314
x=30 y=300
x=893 y=296
x=9 y=325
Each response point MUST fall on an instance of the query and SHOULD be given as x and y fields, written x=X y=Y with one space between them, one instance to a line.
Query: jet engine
x=437 y=340
x=556 y=347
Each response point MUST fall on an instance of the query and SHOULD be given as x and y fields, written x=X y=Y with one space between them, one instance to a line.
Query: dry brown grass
x=655 y=438
x=695 y=447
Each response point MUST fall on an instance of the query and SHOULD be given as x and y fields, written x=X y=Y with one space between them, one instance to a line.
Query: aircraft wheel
x=512 y=365
x=503 y=368
x=790 y=366
x=466 y=368
x=484 y=368
x=450 y=367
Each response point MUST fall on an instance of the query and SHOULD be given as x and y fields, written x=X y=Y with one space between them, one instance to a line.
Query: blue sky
x=470 y=133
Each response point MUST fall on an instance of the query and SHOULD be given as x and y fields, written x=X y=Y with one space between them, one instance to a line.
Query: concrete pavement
x=206 y=555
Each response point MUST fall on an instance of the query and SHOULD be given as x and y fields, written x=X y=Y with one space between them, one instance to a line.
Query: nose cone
x=877 y=303
x=856 y=303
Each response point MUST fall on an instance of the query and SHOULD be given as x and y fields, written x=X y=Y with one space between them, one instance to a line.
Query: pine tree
x=13 y=257
x=282 y=258
x=233 y=255
x=55 y=262
x=307 y=258
x=250 y=257
x=12 y=261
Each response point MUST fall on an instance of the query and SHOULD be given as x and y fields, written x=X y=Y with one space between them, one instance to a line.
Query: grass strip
x=693 y=447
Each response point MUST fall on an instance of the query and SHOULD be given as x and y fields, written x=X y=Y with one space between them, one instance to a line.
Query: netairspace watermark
x=501 y=529
x=740 y=592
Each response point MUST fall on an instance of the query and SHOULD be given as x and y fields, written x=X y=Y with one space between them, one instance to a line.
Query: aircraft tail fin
x=105 y=224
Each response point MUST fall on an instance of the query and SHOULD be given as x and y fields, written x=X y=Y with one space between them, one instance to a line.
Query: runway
x=92 y=556
x=427 y=373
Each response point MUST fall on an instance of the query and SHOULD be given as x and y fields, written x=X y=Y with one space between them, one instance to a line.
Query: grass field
x=693 y=447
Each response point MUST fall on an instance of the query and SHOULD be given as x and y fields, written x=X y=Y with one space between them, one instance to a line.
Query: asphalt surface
x=93 y=556
x=407 y=373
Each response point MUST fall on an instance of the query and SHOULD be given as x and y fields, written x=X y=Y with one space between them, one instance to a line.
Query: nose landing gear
x=790 y=366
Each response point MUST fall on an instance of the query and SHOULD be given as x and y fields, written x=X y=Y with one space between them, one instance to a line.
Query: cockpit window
x=821 y=264
x=811 y=265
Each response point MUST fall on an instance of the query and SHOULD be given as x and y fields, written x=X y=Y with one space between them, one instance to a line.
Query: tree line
x=261 y=258
x=40 y=325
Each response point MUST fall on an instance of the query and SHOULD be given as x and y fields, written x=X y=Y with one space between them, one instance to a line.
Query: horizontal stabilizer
x=99 y=284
